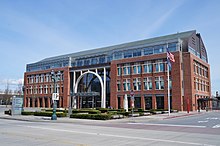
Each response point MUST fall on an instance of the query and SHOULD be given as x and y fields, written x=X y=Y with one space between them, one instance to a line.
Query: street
x=200 y=129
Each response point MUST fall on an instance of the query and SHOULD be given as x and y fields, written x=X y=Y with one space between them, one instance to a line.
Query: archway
x=103 y=100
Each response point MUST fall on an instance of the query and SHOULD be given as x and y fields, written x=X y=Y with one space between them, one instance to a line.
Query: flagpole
x=168 y=88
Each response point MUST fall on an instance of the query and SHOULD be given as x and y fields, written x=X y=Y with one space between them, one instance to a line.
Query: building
x=102 y=77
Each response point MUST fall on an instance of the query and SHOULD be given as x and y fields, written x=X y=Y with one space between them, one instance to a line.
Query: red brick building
x=112 y=72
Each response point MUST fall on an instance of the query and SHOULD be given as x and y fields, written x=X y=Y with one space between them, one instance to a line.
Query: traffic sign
x=55 y=96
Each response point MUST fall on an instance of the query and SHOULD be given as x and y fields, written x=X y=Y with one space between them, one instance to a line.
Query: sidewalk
x=88 y=121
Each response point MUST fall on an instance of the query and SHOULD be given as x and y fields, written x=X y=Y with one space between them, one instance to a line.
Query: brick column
x=43 y=102
x=154 y=103
x=142 y=102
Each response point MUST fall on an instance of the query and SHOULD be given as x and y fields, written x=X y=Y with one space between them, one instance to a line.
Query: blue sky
x=31 y=30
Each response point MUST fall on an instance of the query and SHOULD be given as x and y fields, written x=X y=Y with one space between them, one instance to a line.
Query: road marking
x=216 y=126
x=171 y=125
x=214 y=118
x=118 y=136
x=202 y=121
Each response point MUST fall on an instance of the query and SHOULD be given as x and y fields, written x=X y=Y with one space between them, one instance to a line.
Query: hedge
x=105 y=110
x=27 y=113
x=89 y=111
x=112 y=112
x=58 y=110
x=49 y=114
x=92 y=116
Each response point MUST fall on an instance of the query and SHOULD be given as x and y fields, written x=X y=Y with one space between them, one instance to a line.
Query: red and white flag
x=170 y=56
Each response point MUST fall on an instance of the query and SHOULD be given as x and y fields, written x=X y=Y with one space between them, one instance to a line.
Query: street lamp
x=55 y=78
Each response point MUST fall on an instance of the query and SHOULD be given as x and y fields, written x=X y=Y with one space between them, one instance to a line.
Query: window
x=137 y=53
x=119 y=71
x=118 y=55
x=46 y=89
x=94 y=60
x=159 y=83
x=47 y=77
x=158 y=49
x=42 y=78
x=198 y=87
x=87 y=62
x=128 y=54
x=194 y=67
x=118 y=85
x=41 y=89
x=79 y=63
x=148 y=67
x=31 y=90
x=137 y=84
x=172 y=47
x=126 y=84
x=148 y=83
x=148 y=51
x=109 y=58
x=51 y=88
x=127 y=69
x=160 y=67
x=35 y=89
x=37 y=79
x=137 y=69
x=102 y=59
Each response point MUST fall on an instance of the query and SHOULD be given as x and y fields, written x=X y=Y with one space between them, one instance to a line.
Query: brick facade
x=190 y=75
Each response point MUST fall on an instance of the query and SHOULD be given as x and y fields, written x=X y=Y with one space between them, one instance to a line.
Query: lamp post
x=55 y=78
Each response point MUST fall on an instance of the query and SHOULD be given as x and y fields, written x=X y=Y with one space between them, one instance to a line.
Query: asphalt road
x=181 y=131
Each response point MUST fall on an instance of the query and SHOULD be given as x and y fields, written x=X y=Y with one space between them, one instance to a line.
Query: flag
x=170 y=57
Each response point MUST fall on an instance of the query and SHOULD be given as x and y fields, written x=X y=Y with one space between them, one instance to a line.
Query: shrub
x=27 y=113
x=112 y=112
x=140 y=110
x=141 y=113
x=124 y=113
x=49 y=114
x=89 y=111
x=91 y=116
x=94 y=112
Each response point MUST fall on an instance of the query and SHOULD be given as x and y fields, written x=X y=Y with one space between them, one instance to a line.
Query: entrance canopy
x=85 y=94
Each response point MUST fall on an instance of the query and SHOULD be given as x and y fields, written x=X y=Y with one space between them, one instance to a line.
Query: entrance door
x=137 y=102
x=119 y=102
x=160 y=102
x=148 y=103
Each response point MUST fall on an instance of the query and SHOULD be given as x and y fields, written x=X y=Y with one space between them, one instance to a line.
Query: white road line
x=171 y=125
x=216 y=126
x=202 y=121
x=213 y=118
x=118 y=136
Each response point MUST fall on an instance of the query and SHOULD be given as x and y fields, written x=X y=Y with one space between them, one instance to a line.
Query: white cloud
x=11 y=81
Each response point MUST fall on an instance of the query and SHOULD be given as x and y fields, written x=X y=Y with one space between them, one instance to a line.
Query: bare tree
x=7 y=95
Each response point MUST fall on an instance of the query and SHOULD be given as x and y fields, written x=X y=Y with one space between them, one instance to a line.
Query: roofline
x=122 y=45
